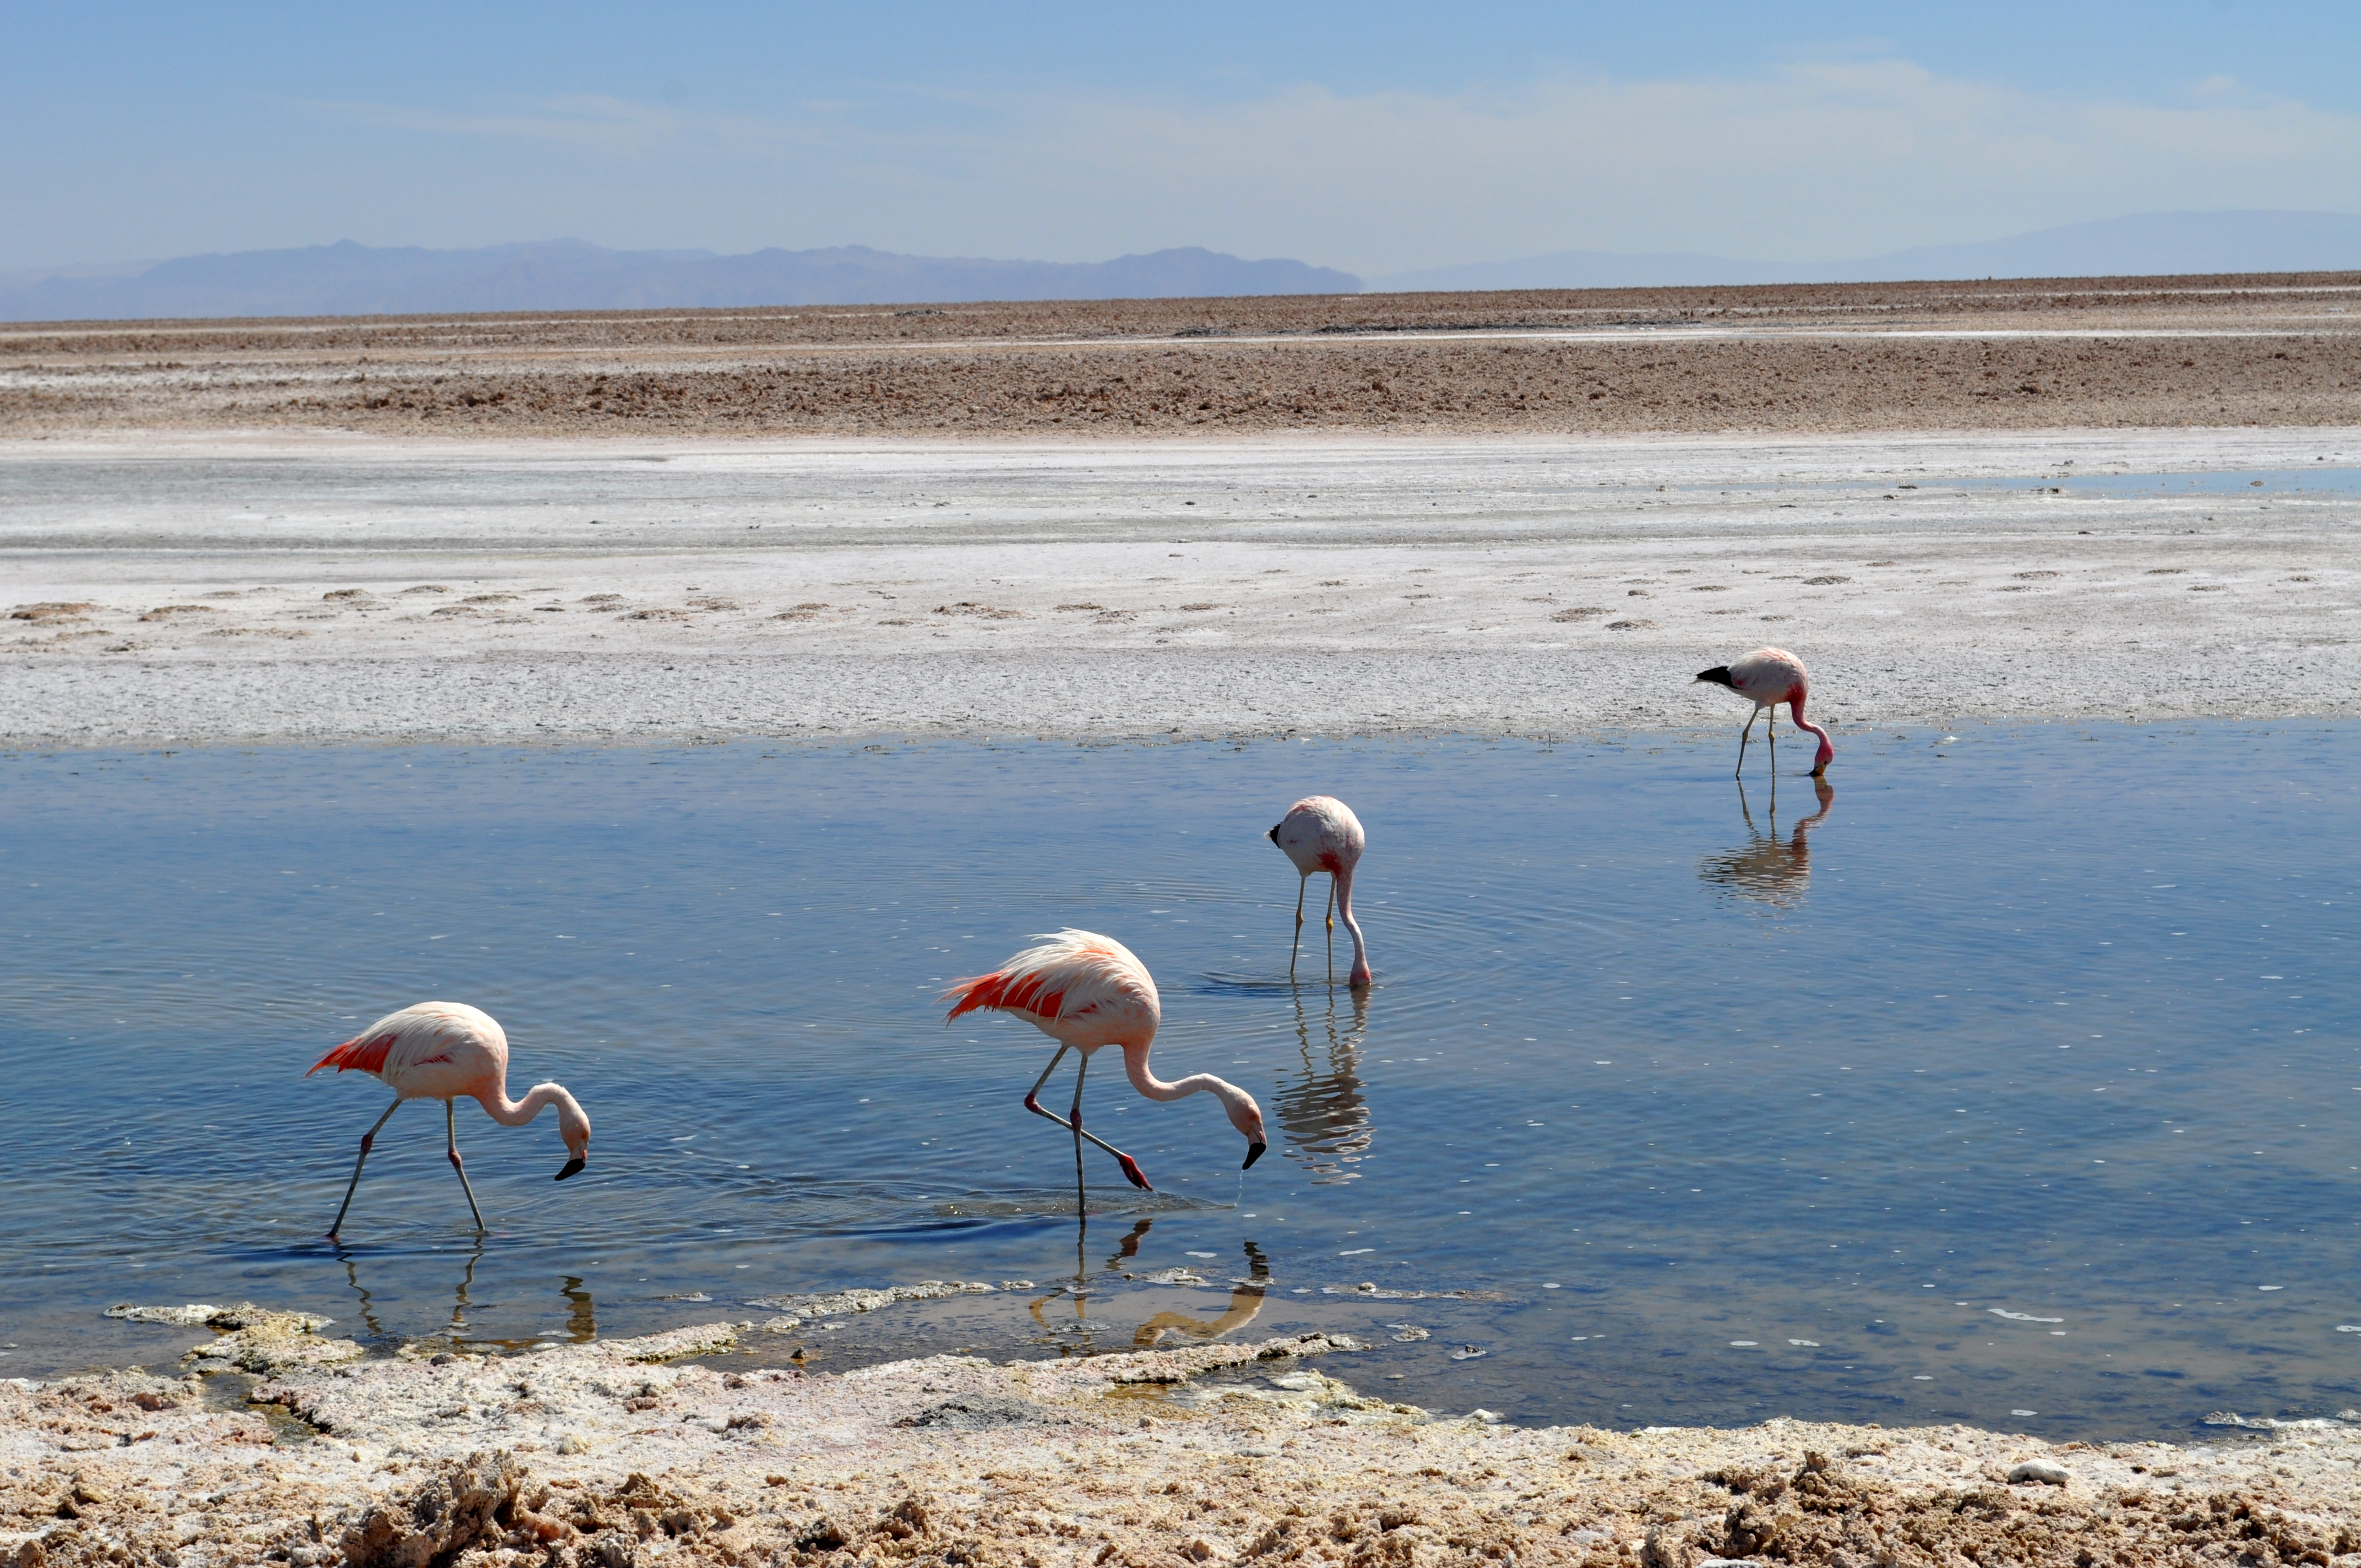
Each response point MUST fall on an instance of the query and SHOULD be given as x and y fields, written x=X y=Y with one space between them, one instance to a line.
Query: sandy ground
x=2012 y=354
x=198 y=588
x=656 y=1451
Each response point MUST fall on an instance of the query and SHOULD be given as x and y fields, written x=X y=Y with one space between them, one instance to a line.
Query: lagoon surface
x=2013 y=1080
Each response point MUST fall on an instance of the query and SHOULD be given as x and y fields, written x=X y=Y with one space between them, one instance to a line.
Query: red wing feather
x=1029 y=994
x=357 y=1056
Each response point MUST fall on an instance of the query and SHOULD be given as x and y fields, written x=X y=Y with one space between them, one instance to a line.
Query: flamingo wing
x=1768 y=676
x=1071 y=975
x=420 y=1036
x=1319 y=833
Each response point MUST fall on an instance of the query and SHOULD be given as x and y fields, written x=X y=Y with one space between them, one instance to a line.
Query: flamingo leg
x=1033 y=1103
x=1032 y=1095
x=1075 y=1121
x=1743 y=736
x=1771 y=737
x=353 y=1185
x=451 y=1126
x=1332 y=929
x=1299 y=927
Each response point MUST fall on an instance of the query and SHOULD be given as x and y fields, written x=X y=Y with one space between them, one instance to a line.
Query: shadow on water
x=1768 y=869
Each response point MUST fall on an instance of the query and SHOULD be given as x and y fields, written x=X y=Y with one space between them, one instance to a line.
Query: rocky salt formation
x=633 y=1453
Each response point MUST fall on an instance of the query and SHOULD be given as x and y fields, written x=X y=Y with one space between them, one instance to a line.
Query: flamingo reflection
x=1325 y=1110
x=1246 y=1303
x=1079 y=1292
x=1767 y=869
x=1082 y=1336
x=581 y=1316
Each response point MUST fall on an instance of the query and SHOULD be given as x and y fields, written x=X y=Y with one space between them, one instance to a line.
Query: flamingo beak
x=573 y=1168
x=1254 y=1152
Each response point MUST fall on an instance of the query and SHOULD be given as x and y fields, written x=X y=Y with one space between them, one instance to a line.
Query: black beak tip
x=1254 y=1152
x=573 y=1168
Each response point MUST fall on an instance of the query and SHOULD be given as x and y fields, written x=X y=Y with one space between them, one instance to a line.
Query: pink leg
x=451 y=1125
x=354 y=1186
x=1033 y=1103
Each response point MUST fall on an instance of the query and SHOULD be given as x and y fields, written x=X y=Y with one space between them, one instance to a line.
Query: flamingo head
x=574 y=1126
x=1246 y=1117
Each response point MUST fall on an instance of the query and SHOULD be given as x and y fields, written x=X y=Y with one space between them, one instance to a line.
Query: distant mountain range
x=346 y=279
x=2145 y=244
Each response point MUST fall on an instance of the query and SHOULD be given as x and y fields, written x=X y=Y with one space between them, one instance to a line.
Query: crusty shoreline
x=639 y=1452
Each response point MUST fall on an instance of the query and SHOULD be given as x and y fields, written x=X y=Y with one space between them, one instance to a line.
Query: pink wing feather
x=1072 y=977
x=420 y=1036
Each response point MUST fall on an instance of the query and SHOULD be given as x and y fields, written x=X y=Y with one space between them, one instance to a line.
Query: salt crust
x=596 y=1457
x=1315 y=585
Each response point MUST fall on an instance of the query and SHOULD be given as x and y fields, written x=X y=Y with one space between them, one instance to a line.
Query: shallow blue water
x=2016 y=1075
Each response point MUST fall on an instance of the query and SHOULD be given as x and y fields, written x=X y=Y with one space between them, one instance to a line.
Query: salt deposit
x=634 y=1452
x=196 y=589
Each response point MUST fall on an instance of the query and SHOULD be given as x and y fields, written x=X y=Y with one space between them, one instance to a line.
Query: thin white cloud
x=1813 y=162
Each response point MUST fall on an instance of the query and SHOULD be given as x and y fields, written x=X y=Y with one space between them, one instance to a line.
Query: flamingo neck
x=1795 y=712
x=1360 y=975
x=516 y=1114
x=1143 y=1077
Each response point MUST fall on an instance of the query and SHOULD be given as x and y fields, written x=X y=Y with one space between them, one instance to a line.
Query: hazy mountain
x=346 y=279
x=1591 y=269
x=2145 y=244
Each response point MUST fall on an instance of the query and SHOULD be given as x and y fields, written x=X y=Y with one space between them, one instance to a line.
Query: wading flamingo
x=1767 y=677
x=441 y=1051
x=1319 y=833
x=1085 y=991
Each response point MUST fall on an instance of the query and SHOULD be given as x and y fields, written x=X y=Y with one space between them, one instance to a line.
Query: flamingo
x=441 y=1051
x=1085 y=991
x=1767 y=677
x=1766 y=869
x=1319 y=833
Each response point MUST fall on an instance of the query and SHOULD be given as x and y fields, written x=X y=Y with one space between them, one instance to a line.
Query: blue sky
x=1373 y=137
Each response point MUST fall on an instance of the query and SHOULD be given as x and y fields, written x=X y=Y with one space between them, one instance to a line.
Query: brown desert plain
x=1502 y=512
x=2008 y=354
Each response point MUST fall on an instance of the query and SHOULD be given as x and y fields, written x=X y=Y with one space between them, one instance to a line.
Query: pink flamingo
x=1319 y=833
x=1767 y=677
x=441 y=1051
x=1085 y=991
